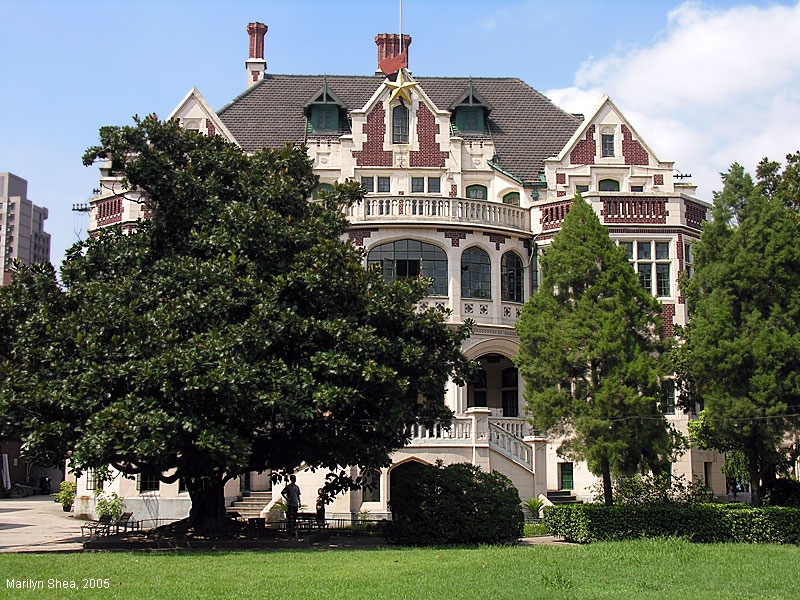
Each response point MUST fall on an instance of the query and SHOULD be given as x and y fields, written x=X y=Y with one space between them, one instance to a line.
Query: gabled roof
x=525 y=126
x=605 y=101
x=195 y=99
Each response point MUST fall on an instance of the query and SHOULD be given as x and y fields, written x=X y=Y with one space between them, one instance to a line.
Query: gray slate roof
x=526 y=127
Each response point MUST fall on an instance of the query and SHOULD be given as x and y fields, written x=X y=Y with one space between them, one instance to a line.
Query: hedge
x=585 y=523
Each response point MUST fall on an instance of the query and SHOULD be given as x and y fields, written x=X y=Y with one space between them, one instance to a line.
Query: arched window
x=511 y=198
x=608 y=185
x=476 y=274
x=400 y=124
x=511 y=278
x=478 y=192
x=406 y=259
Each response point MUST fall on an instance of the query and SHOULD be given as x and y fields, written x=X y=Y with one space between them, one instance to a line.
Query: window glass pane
x=383 y=184
x=608 y=144
x=368 y=183
x=477 y=192
x=511 y=277
x=400 y=124
x=662 y=250
x=662 y=279
x=643 y=250
x=411 y=258
x=668 y=397
x=687 y=253
x=581 y=189
x=417 y=184
x=628 y=249
x=608 y=185
x=371 y=492
x=637 y=188
x=434 y=185
x=475 y=274
x=646 y=276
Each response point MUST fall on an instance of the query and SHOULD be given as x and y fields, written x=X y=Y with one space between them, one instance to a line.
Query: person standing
x=291 y=495
x=321 y=508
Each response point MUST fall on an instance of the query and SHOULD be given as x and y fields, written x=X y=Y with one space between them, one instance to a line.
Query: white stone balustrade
x=439 y=210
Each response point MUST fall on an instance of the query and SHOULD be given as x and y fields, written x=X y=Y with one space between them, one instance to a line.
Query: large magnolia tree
x=591 y=354
x=233 y=331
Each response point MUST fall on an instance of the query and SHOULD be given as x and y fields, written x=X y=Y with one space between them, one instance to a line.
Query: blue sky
x=704 y=83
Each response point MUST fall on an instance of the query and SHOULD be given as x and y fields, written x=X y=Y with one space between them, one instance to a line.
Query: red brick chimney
x=255 y=64
x=389 y=46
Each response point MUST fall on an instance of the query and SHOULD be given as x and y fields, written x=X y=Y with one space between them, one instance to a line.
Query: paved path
x=37 y=524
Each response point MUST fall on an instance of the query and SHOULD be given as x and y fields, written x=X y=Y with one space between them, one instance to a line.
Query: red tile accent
x=372 y=153
x=454 y=235
x=212 y=131
x=430 y=153
x=561 y=193
x=658 y=179
x=561 y=178
x=584 y=151
x=359 y=235
x=695 y=214
x=632 y=150
x=453 y=191
x=497 y=239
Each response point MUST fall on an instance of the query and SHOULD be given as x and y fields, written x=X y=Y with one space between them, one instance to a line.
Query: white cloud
x=717 y=87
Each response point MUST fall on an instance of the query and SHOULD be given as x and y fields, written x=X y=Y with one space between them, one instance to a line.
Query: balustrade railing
x=510 y=445
x=634 y=210
x=450 y=210
x=460 y=429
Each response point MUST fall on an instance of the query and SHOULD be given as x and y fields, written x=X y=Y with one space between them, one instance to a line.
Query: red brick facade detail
x=695 y=214
x=212 y=131
x=453 y=191
x=561 y=178
x=668 y=313
x=632 y=150
x=561 y=193
x=429 y=153
x=372 y=154
x=257 y=31
x=496 y=239
x=584 y=151
x=109 y=211
x=454 y=235
x=357 y=236
x=658 y=179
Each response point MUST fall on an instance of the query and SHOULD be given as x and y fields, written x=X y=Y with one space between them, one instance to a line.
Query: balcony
x=438 y=210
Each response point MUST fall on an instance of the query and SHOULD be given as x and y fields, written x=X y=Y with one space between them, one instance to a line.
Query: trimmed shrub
x=457 y=504
x=585 y=523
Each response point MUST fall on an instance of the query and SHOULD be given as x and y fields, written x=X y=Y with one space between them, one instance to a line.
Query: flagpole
x=402 y=41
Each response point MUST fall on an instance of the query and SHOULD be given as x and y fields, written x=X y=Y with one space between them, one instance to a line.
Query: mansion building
x=467 y=181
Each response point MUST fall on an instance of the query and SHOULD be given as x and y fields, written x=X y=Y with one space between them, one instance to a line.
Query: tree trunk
x=608 y=490
x=208 y=502
x=755 y=481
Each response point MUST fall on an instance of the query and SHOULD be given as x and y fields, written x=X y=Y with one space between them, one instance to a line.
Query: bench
x=97 y=528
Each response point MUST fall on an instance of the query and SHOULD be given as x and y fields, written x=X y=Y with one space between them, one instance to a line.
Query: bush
x=783 y=492
x=695 y=522
x=663 y=488
x=458 y=504
x=66 y=493
x=109 y=504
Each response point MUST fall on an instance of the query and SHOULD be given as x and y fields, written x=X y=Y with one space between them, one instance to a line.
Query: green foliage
x=233 y=331
x=712 y=523
x=591 y=354
x=660 y=488
x=457 y=504
x=534 y=506
x=784 y=491
x=740 y=356
x=109 y=504
x=66 y=493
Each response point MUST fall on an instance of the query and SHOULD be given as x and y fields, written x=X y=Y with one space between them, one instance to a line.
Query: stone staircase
x=562 y=497
x=250 y=504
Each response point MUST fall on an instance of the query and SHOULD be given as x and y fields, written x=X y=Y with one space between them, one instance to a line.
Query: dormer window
x=326 y=114
x=400 y=124
x=477 y=192
x=324 y=118
x=608 y=185
x=470 y=113
x=511 y=198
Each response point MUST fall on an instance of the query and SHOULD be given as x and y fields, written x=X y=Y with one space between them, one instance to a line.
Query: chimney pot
x=256 y=65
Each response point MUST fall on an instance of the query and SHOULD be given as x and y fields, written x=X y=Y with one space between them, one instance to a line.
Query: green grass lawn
x=639 y=569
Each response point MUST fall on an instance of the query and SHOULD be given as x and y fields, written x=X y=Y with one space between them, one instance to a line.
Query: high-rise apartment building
x=22 y=234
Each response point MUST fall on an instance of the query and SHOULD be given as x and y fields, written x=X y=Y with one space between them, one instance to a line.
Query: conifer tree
x=591 y=354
